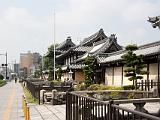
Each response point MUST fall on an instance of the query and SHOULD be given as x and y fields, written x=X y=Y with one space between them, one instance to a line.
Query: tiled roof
x=146 y=50
x=73 y=66
x=82 y=48
x=76 y=66
x=64 y=53
x=92 y=37
x=68 y=41
x=99 y=48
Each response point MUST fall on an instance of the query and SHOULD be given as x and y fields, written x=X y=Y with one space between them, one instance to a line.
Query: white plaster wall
x=145 y=76
x=153 y=71
x=108 y=76
x=125 y=79
x=117 y=76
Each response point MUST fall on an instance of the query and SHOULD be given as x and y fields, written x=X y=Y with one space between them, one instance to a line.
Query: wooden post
x=151 y=83
x=142 y=85
x=145 y=85
x=39 y=89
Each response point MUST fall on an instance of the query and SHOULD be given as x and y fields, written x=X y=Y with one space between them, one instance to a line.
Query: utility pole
x=6 y=66
x=54 y=46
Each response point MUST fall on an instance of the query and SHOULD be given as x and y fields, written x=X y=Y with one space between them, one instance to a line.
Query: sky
x=28 y=25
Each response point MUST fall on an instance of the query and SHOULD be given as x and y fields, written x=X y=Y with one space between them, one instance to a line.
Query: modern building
x=16 y=68
x=29 y=62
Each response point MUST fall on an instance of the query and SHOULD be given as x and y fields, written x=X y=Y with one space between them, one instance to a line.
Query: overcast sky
x=27 y=25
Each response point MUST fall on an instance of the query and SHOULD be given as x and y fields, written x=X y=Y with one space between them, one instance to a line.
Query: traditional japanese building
x=70 y=56
x=114 y=68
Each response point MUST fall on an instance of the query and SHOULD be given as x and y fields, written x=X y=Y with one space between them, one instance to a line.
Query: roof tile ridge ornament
x=155 y=21
x=93 y=36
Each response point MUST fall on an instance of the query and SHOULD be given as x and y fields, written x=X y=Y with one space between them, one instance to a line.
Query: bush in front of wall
x=94 y=87
x=129 y=87
x=103 y=87
x=80 y=87
x=2 y=82
x=1 y=77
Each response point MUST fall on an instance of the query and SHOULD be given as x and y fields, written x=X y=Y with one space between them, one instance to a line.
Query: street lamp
x=70 y=75
x=5 y=65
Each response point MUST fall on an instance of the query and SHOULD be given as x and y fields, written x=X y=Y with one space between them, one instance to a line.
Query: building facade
x=71 y=56
x=29 y=62
x=114 y=67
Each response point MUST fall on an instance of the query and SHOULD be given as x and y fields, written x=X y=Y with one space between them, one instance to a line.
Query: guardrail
x=35 y=87
x=25 y=108
x=81 y=107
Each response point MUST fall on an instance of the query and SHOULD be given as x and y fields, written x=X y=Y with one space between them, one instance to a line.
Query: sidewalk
x=47 y=112
x=11 y=106
x=11 y=102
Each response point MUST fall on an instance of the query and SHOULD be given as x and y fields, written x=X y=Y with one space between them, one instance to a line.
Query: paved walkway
x=47 y=112
x=11 y=102
x=11 y=106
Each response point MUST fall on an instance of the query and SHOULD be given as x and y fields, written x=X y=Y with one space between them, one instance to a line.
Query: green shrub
x=103 y=87
x=1 y=77
x=80 y=87
x=56 y=82
x=94 y=87
x=2 y=82
x=131 y=95
x=114 y=95
x=129 y=87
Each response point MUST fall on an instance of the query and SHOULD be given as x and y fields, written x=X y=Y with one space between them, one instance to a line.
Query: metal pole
x=6 y=66
x=54 y=45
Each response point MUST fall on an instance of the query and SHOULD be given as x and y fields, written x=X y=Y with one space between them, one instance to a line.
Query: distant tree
x=1 y=77
x=134 y=64
x=37 y=73
x=88 y=70
x=48 y=61
x=59 y=72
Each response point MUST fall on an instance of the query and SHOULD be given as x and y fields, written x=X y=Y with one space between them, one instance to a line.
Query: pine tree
x=134 y=65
